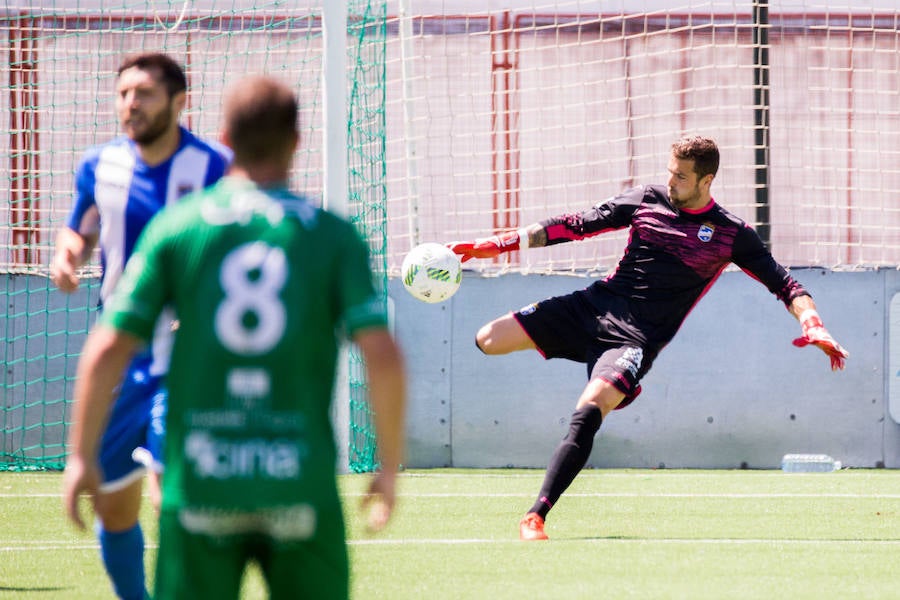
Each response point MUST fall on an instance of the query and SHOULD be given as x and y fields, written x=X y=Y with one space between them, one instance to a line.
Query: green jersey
x=262 y=283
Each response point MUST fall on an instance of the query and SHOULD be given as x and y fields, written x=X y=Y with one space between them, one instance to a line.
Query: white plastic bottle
x=808 y=463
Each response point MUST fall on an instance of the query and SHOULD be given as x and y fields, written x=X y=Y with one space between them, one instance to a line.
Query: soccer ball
x=431 y=272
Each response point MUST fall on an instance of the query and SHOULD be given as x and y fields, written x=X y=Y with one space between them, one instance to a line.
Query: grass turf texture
x=615 y=534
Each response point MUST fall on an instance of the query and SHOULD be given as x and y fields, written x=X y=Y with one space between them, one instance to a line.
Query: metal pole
x=335 y=192
x=412 y=170
x=334 y=110
x=761 y=140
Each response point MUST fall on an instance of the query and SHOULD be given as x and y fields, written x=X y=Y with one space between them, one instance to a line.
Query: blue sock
x=123 y=556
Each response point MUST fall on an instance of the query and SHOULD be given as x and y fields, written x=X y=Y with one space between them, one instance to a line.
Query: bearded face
x=145 y=109
x=686 y=190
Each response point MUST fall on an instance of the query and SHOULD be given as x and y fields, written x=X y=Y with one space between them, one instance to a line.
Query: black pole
x=761 y=117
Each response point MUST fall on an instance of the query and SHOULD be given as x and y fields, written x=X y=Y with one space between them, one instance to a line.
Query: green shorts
x=191 y=565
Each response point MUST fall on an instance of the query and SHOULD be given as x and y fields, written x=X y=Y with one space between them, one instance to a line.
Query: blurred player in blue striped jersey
x=681 y=240
x=120 y=185
x=265 y=285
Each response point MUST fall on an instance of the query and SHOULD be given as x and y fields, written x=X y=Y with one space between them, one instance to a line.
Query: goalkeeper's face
x=145 y=109
x=686 y=190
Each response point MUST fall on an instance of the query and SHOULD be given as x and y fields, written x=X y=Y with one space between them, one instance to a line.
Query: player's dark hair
x=261 y=120
x=702 y=150
x=171 y=73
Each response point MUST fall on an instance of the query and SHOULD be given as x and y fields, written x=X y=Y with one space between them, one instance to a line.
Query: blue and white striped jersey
x=117 y=193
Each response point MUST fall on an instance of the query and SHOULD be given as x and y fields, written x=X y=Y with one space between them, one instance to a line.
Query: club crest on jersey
x=527 y=310
x=706 y=232
x=183 y=189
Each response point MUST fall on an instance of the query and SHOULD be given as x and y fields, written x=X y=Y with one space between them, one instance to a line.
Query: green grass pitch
x=615 y=534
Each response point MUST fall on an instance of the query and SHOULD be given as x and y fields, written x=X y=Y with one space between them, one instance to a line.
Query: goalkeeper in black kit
x=681 y=240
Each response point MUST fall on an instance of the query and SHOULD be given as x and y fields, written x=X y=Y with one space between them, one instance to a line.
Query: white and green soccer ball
x=431 y=272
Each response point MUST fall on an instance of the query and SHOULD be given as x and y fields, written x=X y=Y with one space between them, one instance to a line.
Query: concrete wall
x=729 y=391
x=43 y=331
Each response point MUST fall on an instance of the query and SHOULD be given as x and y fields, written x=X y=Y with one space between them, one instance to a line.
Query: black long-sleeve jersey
x=672 y=256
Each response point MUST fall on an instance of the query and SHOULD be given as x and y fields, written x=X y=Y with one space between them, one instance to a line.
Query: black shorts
x=593 y=327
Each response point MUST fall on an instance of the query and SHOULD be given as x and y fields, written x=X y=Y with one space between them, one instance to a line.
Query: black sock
x=569 y=458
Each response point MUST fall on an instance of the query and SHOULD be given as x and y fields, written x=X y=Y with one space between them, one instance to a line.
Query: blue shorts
x=136 y=420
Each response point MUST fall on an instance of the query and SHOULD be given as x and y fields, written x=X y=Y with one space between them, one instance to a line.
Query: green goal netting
x=59 y=80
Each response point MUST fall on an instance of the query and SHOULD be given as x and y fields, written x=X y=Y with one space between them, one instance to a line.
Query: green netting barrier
x=367 y=189
x=59 y=78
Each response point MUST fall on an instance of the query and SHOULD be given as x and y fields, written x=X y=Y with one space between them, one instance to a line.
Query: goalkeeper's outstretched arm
x=568 y=227
x=814 y=332
x=533 y=236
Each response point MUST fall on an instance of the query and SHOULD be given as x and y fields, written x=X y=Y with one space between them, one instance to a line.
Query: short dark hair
x=261 y=120
x=702 y=150
x=172 y=75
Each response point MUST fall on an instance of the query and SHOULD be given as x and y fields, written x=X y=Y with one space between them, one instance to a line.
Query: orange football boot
x=531 y=528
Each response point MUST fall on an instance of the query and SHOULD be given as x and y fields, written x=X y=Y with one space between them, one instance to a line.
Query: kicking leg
x=502 y=336
x=597 y=399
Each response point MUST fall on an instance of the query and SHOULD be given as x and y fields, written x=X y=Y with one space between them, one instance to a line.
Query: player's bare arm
x=104 y=358
x=73 y=250
x=387 y=393
x=535 y=234
x=800 y=304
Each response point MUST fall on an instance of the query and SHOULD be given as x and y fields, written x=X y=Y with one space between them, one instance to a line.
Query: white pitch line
x=42 y=495
x=28 y=495
x=684 y=541
x=51 y=546
x=636 y=473
x=633 y=495
x=579 y=495
x=55 y=545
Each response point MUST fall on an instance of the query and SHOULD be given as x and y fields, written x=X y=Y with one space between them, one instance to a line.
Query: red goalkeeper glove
x=814 y=332
x=486 y=247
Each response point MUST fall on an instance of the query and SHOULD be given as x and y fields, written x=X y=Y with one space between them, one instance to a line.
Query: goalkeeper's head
x=260 y=126
x=702 y=150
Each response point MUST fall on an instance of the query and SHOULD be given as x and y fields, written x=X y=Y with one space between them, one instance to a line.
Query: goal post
x=59 y=85
x=355 y=132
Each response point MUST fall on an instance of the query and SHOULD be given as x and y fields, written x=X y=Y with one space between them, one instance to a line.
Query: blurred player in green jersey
x=263 y=284
x=119 y=186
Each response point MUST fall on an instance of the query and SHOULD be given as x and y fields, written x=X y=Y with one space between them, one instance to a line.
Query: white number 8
x=251 y=318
